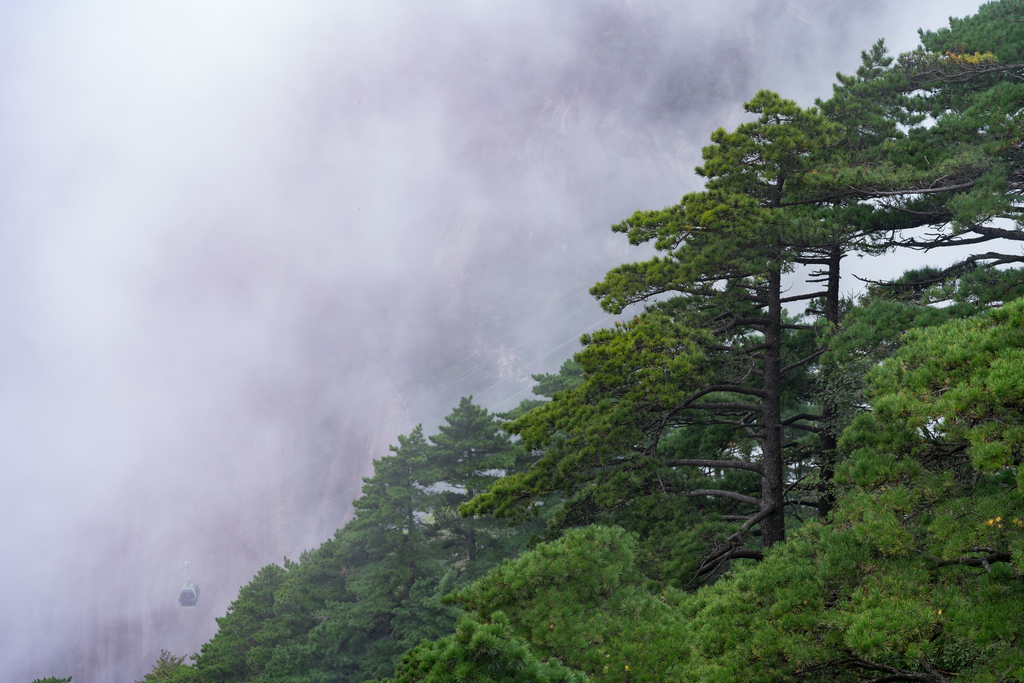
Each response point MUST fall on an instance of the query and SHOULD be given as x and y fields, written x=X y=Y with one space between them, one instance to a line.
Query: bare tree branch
x=803 y=297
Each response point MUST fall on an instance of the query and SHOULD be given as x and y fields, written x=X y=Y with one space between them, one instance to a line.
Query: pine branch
x=803 y=361
x=983 y=562
x=726 y=388
x=929 y=674
x=732 y=495
x=724 y=464
x=802 y=416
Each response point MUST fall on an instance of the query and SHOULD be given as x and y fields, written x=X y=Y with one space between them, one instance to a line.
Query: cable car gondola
x=188 y=596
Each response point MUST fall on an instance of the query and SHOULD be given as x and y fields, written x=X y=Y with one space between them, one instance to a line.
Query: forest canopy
x=734 y=482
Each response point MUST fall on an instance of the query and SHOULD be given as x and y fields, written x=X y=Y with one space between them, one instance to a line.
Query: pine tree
x=718 y=355
x=165 y=669
x=347 y=610
x=398 y=574
x=240 y=650
x=469 y=454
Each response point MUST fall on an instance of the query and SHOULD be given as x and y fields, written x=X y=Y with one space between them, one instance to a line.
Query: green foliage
x=919 y=571
x=610 y=445
x=53 y=679
x=348 y=610
x=934 y=135
x=569 y=376
x=996 y=29
x=469 y=454
x=168 y=669
x=594 y=430
x=241 y=648
x=581 y=600
x=483 y=653
x=916 y=575
x=720 y=352
x=343 y=612
x=828 y=606
x=871 y=330
x=387 y=578
x=945 y=437
x=647 y=461
x=886 y=589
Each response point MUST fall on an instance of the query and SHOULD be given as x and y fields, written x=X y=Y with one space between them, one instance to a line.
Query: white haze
x=244 y=244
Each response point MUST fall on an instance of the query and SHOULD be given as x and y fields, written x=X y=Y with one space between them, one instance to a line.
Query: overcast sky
x=244 y=244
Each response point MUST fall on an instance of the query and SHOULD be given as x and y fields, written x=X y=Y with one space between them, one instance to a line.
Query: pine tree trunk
x=829 y=443
x=773 y=527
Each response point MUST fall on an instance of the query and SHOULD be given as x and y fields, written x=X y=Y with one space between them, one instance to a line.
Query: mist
x=244 y=245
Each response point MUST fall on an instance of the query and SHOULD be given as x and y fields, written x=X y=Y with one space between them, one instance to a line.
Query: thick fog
x=243 y=245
